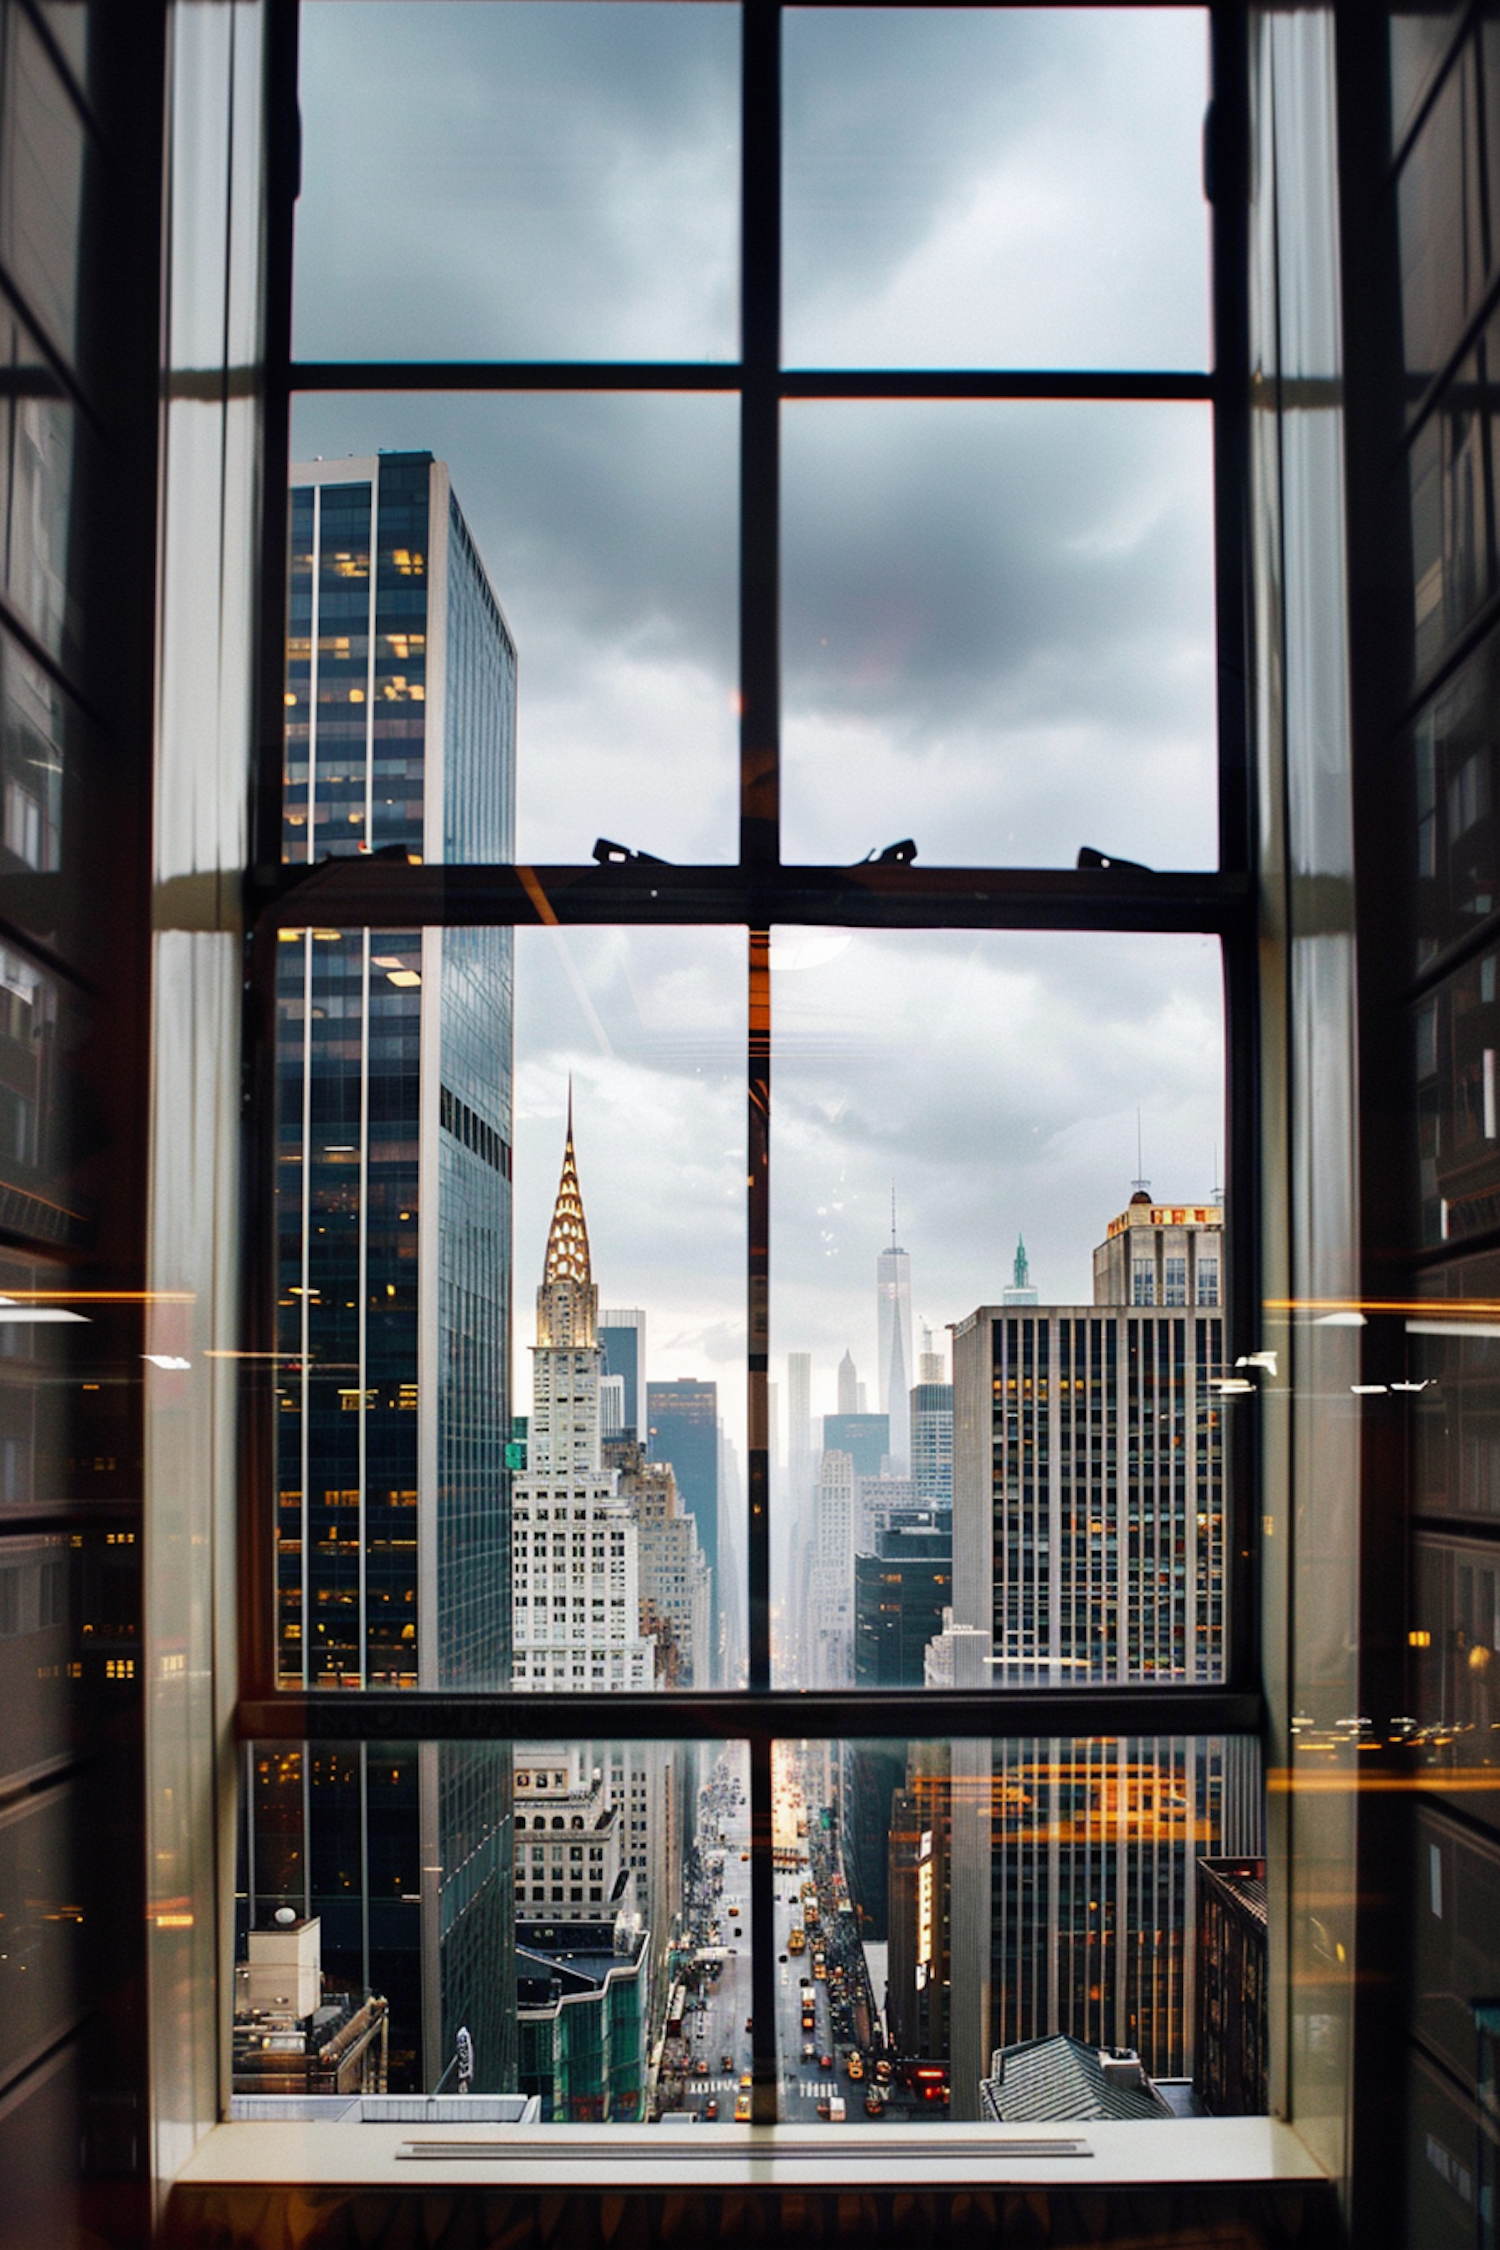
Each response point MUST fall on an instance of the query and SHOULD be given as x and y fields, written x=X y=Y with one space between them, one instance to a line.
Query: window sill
x=609 y=2159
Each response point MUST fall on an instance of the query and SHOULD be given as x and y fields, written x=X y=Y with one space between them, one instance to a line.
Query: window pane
x=448 y=1495
x=488 y=179
x=1003 y=1452
x=934 y=1902
x=998 y=627
x=589 y=560
x=960 y=1902
x=41 y=185
x=995 y=187
x=575 y=1894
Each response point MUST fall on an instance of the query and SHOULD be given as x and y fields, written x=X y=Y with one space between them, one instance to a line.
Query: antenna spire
x=1140 y=1183
x=568 y=1240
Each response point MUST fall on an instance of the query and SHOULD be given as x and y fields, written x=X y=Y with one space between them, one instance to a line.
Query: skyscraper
x=577 y=1568
x=622 y=1339
x=1089 y=1543
x=893 y=1310
x=831 y=1589
x=682 y=1421
x=932 y=1441
x=394 y=1222
x=577 y=1588
x=848 y=1384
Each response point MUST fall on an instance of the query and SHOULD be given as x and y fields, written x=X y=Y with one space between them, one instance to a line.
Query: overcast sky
x=997 y=617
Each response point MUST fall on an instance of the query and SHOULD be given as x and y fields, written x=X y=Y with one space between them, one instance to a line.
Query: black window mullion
x=760 y=846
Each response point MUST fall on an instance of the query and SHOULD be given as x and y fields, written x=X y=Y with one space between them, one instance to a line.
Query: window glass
x=1458 y=1103
x=1442 y=253
x=590 y=1934
x=1453 y=775
x=71 y=25
x=554 y=181
x=40 y=487
x=1071 y=1881
x=1008 y=187
x=1453 y=1352
x=955 y=1123
x=998 y=632
x=42 y=152
x=588 y=552
x=462 y=1499
x=1421 y=36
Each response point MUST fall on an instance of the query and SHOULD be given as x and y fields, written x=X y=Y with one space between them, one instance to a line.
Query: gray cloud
x=523 y=181
x=1003 y=187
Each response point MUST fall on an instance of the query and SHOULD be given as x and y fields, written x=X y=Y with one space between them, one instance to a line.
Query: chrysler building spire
x=568 y=1241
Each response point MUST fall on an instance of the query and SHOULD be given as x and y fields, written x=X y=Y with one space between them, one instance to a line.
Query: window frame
x=755 y=894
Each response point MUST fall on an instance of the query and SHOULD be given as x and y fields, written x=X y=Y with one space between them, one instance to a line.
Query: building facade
x=682 y=1422
x=1089 y=1544
x=576 y=1560
x=394 y=1228
x=622 y=1339
x=932 y=1443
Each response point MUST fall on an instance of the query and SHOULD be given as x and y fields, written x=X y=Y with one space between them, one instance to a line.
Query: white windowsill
x=944 y=2156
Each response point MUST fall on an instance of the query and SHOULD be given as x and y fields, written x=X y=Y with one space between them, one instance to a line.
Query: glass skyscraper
x=394 y=1219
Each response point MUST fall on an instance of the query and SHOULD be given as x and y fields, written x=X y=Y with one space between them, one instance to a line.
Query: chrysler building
x=576 y=1567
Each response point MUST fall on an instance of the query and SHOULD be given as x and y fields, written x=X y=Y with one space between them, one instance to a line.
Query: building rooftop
x=1061 y=2077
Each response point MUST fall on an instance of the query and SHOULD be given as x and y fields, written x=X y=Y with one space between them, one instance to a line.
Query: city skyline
x=875 y=1073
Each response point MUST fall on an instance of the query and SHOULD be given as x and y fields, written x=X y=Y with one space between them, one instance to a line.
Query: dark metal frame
x=755 y=895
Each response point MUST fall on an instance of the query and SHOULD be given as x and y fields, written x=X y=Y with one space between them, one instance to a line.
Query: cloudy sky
x=997 y=617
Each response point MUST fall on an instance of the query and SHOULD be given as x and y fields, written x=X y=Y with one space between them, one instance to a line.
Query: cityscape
x=472 y=1495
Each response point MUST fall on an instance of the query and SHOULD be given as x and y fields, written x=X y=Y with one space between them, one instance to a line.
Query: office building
x=866 y=1438
x=900 y=1593
x=1089 y=1542
x=394 y=1222
x=682 y=1423
x=1230 y=2076
x=932 y=1442
x=1088 y=1498
x=570 y=1864
x=1161 y=1254
x=581 y=2005
x=674 y=1576
x=622 y=1340
x=894 y=1349
x=830 y=1590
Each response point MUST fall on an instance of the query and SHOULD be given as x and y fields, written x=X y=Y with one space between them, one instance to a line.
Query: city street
x=716 y=2016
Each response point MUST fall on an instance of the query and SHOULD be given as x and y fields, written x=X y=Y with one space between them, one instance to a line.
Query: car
x=825 y=2109
x=734 y=1913
x=874 y=2106
x=701 y=2066
x=809 y=2051
x=726 y=2060
x=711 y=2108
x=749 y=2023
x=825 y=2062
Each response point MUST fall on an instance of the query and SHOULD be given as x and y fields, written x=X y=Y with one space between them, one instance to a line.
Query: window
x=752 y=547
